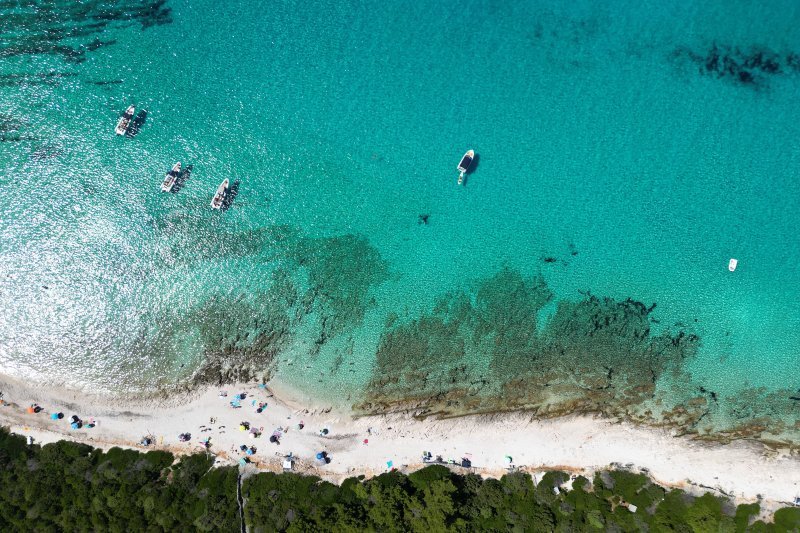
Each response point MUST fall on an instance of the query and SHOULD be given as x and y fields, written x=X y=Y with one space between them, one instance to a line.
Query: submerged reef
x=241 y=339
x=484 y=351
x=752 y=67
x=42 y=78
x=70 y=29
x=320 y=283
x=11 y=129
x=341 y=270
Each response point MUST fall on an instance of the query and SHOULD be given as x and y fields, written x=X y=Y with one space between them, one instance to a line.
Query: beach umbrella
x=57 y=416
x=509 y=459
x=390 y=464
x=242 y=428
x=320 y=456
x=75 y=425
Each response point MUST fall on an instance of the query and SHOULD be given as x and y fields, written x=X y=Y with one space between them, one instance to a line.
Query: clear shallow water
x=620 y=153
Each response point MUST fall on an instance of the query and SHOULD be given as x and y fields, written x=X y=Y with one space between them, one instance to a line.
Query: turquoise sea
x=626 y=151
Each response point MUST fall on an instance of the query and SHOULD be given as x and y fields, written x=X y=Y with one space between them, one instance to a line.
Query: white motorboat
x=463 y=166
x=125 y=121
x=171 y=177
x=219 y=197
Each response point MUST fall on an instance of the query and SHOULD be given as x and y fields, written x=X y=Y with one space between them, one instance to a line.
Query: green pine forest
x=67 y=486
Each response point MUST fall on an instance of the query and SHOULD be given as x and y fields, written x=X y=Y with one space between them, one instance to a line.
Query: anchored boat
x=463 y=166
x=125 y=120
x=219 y=197
x=171 y=177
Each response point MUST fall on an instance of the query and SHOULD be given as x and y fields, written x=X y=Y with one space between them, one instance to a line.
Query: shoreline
x=743 y=471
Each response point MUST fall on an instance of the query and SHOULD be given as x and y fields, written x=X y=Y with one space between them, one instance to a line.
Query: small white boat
x=219 y=197
x=732 y=264
x=125 y=120
x=171 y=177
x=463 y=166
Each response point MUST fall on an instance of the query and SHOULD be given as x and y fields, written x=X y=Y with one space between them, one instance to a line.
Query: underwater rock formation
x=752 y=67
x=241 y=340
x=341 y=270
x=70 y=29
x=484 y=351
x=323 y=283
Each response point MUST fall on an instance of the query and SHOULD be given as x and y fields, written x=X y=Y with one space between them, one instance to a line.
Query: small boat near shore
x=171 y=177
x=219 y=197
x=464 y=165
x=732 y=264
x=125 y=120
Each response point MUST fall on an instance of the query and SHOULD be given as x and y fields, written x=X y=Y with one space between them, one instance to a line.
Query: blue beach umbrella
x=74 y=425
x=320 y=456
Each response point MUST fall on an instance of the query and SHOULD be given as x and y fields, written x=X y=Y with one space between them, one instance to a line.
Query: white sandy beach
x=577 y=444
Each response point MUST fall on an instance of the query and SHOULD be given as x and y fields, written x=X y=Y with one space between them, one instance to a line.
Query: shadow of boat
x=474 y=166
x=231 y=196
x=136 y=124
x=182 y=178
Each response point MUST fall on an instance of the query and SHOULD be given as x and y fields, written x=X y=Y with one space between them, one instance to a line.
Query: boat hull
x=464 y=164
x=124 y=121
x=170 y=178
x=219 y=196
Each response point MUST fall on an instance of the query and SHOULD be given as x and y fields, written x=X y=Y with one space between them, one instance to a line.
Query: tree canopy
x=66 y=486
